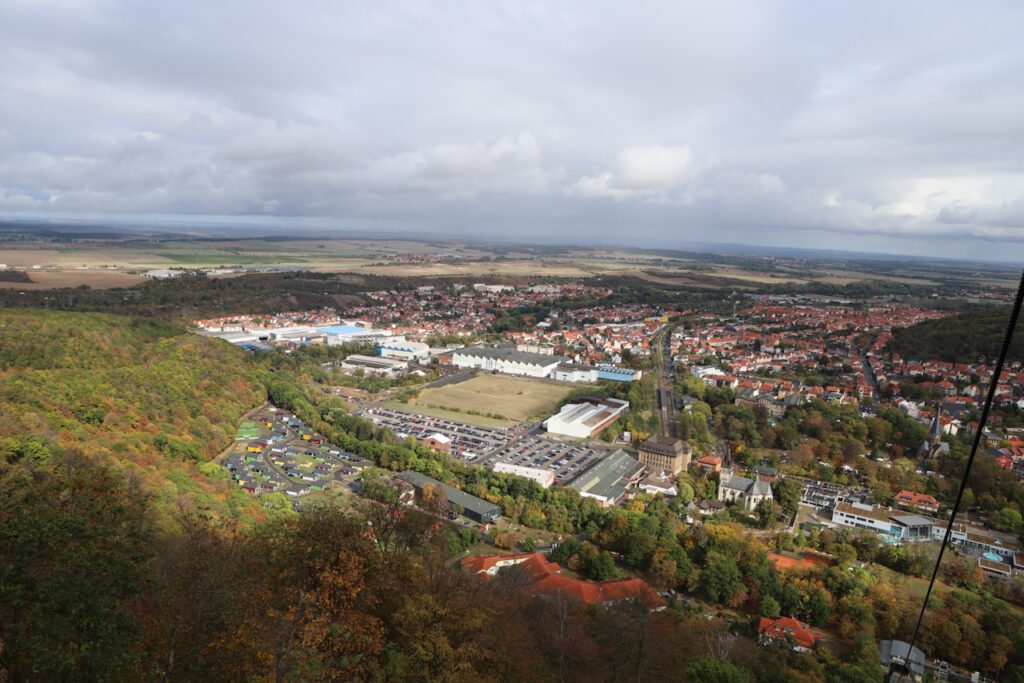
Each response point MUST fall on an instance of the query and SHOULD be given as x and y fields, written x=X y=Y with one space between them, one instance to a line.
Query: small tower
x=934 y=446
x=936 y=426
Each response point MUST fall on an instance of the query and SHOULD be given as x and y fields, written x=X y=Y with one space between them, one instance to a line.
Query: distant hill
x=959 y=339
x=143 y=396
x=197 y=296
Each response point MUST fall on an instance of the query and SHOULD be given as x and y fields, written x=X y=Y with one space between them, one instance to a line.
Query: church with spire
x=934 y=446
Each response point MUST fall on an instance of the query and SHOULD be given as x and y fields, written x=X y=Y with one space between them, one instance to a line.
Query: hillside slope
x=141 y=395
x=961 y=338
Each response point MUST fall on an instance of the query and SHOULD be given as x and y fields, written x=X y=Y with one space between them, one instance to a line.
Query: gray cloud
x=860 y=125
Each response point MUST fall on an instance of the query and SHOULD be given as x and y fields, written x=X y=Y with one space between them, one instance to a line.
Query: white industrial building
x=543 y=477
x=506 y=361
x=544 y=349
x=337 y=335
x=400 y=349
x=896 y=526
x=585 y=418
x=574 y=373
x=374 y=364
x=298 y=334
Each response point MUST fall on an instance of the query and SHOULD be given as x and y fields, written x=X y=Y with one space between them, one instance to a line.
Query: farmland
x=513 y=398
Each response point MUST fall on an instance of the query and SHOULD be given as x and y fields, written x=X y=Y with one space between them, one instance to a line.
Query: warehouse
x=351 y=334
x=607 y=480
x=584 y=418
x=475 y=508
x=373 y=364
x=507 y=361
x=617 y=374
x=542 y=476
x=401 y=349
x=574 y=373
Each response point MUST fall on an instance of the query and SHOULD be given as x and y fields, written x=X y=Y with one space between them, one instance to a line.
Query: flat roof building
x=585 y=418
x=617 y=374
x=607 y=480
x=507 y=361
x=542 y=476
x=475 y=508
x=403 y=350
x=381 y=366
x=351 y=334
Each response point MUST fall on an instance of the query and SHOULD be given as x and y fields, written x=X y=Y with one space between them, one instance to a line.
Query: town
x=568 y=397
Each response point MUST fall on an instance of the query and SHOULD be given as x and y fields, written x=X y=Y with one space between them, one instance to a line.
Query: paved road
x=869 y=374
x=666 y=380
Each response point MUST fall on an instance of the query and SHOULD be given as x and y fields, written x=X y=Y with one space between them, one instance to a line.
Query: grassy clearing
x=477 y=420
x=248 y=430
x=514 y=398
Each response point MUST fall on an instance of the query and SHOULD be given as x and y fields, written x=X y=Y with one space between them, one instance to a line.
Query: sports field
x=247 y=430
x=514 y=398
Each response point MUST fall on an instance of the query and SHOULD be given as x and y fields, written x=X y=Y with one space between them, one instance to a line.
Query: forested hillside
x=961 y=338
x=144 y=396
x=196 y=295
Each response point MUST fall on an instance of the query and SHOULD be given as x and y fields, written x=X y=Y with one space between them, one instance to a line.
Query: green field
x=477 y=420
x=496 y=396
x=247 y=431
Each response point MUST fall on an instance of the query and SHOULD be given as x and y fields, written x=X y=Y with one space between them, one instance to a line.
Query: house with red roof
x=710 y=463
x=800 y=634
x=542 y=577
x=917 y=501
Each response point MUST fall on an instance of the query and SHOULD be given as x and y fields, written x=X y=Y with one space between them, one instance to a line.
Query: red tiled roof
x=788 y=627
x=546 y=577
x=916 y=499
x=475 y=564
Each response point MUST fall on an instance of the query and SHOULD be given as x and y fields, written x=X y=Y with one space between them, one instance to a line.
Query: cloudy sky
x=875 y=126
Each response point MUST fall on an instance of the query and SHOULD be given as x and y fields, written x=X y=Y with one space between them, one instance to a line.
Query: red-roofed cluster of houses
x=267 y=321
x=540 y=576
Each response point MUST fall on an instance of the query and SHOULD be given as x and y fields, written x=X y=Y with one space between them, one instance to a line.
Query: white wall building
x=403 y=350
x=543 y=477
x=507 y=361
x=574 y=373
x=373 y=364
x=585 y=418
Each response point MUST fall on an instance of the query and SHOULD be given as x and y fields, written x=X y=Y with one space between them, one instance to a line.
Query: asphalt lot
x=282 y=460
x=469 y=443
x=566 y=459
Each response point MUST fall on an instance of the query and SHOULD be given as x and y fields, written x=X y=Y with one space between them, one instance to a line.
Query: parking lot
x=469 y=443
x=566 y=459
x=288 y=457
x=822 y=494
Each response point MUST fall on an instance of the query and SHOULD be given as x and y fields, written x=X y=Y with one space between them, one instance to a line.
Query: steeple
x=936 y=427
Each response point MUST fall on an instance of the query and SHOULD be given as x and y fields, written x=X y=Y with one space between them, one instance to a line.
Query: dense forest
x=196 y=295
x=142 y=396
x=964 y=338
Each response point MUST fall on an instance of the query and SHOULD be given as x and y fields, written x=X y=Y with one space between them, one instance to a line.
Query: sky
x=871 y=126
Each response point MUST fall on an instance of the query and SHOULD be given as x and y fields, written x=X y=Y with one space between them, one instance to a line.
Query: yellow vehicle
x=307 y=437
x=253 y=448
